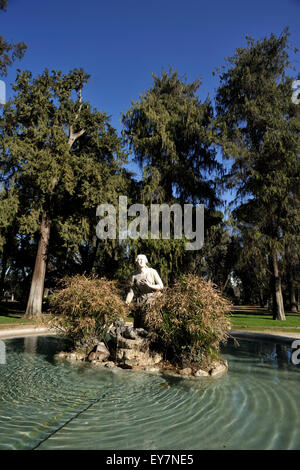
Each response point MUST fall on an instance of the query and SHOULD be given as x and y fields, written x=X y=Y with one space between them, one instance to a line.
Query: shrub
x=84 y=308
x=189 y=321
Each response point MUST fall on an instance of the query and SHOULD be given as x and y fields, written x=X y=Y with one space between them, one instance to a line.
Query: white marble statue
x=145 y=284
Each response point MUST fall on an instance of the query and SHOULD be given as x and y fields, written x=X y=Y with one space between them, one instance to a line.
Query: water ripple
x=54 y=405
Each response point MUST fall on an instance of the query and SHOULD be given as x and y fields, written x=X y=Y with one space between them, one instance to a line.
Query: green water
x=45 y=404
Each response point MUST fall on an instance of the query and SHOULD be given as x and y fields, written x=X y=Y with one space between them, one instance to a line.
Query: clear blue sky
x=121 y=42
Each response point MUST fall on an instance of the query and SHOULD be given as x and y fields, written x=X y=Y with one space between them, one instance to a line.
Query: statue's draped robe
x=143 y=293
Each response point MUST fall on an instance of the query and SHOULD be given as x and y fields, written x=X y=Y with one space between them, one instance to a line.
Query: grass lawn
x=14 y=320
x=258 y=319
x=12 y=313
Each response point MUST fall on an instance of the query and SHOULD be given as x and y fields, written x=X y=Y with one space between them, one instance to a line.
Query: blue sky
x=120 y=43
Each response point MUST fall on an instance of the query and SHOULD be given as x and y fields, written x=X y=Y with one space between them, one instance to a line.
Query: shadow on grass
x=267 y=315
x=12 y=309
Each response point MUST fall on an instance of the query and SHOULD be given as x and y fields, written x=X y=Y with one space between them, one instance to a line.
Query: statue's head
x=141 y=261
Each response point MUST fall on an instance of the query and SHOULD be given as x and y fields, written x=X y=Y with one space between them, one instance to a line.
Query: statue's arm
x=158 y=282
x=130 y=294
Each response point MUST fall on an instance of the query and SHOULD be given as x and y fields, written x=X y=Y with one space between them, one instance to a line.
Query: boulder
x=142 y=332
x=201 y=373
x=129 y=332
x=186 y=371
x=110 y=364
x=218 y=369
x=101 y=353
x=134 y=357
x=92 y=356
x=124 y=343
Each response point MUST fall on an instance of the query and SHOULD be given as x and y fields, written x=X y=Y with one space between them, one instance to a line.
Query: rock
x=71 y=356
x=152 y=369
x=91 y=356
x=133 y=357
x=142 y=332
x=218 y=369
x=129 y=333
x=110 y=364
x=186 y=371
x=124 y=343
x=76 y=356
x=62 y=354
x=201 y=373
x=102 y=352
x=120 y=325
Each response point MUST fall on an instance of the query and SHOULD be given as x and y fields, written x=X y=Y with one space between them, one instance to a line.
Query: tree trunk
x=292 y=290
x=3 y=271
x=278 y=308
x=34 y=305
x=261 y=298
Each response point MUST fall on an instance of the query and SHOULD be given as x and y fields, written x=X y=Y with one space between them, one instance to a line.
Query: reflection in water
x=30 y=344
x=49 y=404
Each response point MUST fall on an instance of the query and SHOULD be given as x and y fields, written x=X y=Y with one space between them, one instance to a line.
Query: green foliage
x=170 y=133
x=189 y=320
x=59 y=158
x=169 y=128
x=3 y=4
x=84 y=308
x=64 y=156
x=9 y=52
x=258 y=127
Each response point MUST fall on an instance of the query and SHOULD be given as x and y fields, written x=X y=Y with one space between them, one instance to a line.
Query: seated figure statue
x=145 y=285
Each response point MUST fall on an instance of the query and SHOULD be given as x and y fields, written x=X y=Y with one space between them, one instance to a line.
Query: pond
x=49 y=404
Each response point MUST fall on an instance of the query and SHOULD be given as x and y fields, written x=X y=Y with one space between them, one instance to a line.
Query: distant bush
x=84 y=308
x=189 y=321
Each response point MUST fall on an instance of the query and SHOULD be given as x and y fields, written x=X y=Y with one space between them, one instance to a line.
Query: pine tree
x=59 y=160
x=258 y=126
x=170 y=131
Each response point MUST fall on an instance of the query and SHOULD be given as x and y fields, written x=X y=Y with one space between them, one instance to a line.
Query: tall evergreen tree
x=258 y=127
x=170 y=130
x=59 y=160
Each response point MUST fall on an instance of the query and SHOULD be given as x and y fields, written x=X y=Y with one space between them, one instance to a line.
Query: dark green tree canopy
x=59 y=159
x=57 y=151
x=170 y=130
